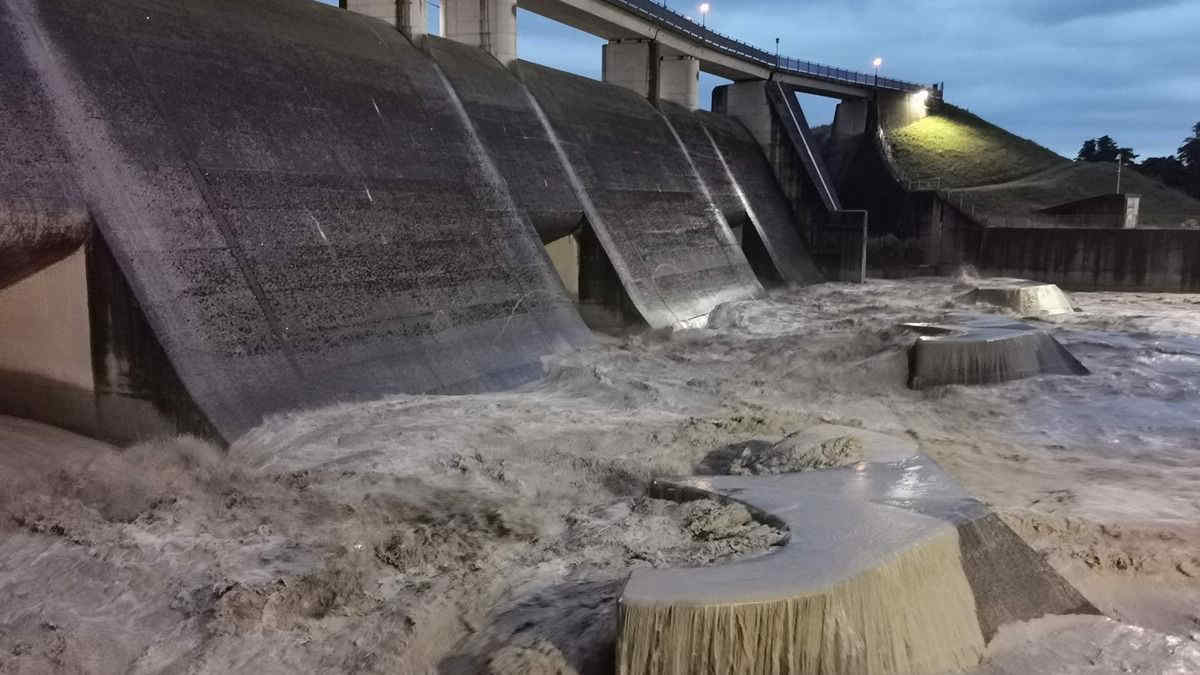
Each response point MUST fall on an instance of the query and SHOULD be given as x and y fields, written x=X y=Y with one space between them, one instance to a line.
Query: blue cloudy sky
x=1056 y=71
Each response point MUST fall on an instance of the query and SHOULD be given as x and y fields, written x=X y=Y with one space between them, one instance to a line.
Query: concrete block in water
x=985 y=350
x=890 y=568
x=1027 y=298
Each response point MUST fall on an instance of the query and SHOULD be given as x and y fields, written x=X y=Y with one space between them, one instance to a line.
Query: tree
x=1189 y=156
x=1169 y=170
x=1088 y=152
x=1104 y=149
x=1189 y=152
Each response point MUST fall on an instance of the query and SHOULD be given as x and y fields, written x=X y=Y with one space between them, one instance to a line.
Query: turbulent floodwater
x=493 y=533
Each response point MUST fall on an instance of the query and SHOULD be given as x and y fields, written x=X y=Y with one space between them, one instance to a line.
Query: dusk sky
x=1054 y=71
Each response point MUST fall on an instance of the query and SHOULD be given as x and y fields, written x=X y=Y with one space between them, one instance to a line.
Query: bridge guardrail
x=665 y=16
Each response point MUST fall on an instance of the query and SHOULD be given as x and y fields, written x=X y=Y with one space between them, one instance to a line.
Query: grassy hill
x=1002 y=174
x=1160 y=204
x=964 y=150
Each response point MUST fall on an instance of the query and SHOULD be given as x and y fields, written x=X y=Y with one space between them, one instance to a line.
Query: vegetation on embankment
x=1160 y=205
x=963 y=150
x=1003 y=175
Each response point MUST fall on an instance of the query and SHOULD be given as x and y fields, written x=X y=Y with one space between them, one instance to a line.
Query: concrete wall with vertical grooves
x=664 y=235
x=294 y=197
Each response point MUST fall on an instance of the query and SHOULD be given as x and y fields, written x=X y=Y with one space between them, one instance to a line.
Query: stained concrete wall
x=1111 y=210
x=1095 y=258
x=45 y=347
x=295 y=199
x=644 y=200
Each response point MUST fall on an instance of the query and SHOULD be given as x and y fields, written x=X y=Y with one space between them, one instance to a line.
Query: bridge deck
x=741 y=60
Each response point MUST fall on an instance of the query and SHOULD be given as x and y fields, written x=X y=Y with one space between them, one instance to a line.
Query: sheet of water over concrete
x=1027 y=298
x=648 y=207
x=977 y=349
x=503 y=115
x=42 y=218
x=753 y=180
x=296 y=202
x=890 y=567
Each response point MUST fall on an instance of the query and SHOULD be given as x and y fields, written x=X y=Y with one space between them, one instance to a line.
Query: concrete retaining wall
x=1095 y=258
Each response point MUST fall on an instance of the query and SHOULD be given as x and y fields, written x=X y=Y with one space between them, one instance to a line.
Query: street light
x=877 y=62
x=704 y=7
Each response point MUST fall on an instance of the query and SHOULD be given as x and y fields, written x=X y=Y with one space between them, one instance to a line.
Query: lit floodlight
x=877 y=62
x=704 y=7
x=920 y=97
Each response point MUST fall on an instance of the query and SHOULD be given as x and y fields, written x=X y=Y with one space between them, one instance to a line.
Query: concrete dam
x=223 y=210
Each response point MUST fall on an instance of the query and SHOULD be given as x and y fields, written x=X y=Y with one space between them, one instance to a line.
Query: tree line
x=1181 y=170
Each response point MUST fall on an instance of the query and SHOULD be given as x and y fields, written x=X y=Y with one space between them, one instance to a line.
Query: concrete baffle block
x=1027 y=298
x=984 y=350
x=889 y=567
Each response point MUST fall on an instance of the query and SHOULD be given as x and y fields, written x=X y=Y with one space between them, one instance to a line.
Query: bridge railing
x=666 y=17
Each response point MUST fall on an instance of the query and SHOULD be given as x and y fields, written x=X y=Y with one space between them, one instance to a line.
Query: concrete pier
x=490 y=25
x=653 y=72
x=408 y=16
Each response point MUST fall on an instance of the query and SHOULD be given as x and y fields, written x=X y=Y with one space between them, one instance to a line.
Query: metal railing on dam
x=666 y=17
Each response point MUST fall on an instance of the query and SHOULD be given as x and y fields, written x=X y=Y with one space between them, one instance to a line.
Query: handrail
x=666 y=17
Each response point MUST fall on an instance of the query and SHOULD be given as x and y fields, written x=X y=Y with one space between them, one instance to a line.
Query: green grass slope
x=964 y=150
x=1160 y=204
x=1003 y=175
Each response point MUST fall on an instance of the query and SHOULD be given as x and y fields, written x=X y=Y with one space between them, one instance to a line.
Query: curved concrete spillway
x=295 y=198
x=743 y=185
x=642 y=197
x=42 y=216
x=890 y=568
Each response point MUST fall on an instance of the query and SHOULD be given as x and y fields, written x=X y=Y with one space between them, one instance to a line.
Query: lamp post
x=1118 y=172
x=776 y=53
x=704 y=7
x=877 y=62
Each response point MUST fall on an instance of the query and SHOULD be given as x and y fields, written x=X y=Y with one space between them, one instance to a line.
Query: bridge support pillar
x=627 y=63
x=850 y=119
x=409 y=16
x=490 y=25
x=640 y=65
x=897 y=109
x=747 y=102
x=679 y=80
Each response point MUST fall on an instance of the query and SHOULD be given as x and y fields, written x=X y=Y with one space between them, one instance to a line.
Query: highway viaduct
x=660 y=53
